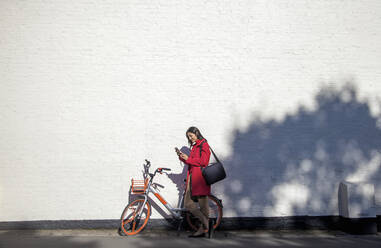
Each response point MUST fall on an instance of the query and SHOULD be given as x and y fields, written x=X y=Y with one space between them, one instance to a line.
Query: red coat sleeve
x=205 y=156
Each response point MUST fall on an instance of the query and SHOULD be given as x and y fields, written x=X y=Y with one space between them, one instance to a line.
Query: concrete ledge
x=236 y=223
x=356 y=226
x=58 y=224
x=282 y=223
x=359 y=225
x=80 y=224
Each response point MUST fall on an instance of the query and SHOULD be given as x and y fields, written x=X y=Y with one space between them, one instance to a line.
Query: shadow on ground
x=24 y=236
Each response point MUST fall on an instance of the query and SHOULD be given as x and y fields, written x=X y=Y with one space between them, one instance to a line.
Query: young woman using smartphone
x=197 y=190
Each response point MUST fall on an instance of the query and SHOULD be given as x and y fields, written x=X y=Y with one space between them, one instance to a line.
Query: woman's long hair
x=195 y=131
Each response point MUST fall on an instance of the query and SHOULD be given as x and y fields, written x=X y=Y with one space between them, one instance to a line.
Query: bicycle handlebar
x=160 y=170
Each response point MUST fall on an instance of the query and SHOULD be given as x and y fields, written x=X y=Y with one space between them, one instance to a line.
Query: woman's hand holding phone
x=183 y=156
x=180 y=154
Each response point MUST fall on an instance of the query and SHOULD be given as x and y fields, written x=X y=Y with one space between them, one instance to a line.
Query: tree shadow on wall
x=294 y=167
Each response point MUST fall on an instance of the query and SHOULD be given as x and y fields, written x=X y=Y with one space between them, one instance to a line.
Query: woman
x=197 y=190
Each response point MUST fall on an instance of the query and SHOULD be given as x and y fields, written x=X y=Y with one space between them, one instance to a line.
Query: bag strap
x=215 y=156
x=201 y=147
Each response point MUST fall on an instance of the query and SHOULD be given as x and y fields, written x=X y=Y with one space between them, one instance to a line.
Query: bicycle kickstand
x=211 y=229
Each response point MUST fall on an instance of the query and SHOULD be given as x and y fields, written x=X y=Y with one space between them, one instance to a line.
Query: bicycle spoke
x=135 y=217
x=133 y=226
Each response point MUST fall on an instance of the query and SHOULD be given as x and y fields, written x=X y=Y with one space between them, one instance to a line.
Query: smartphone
x=177 y=151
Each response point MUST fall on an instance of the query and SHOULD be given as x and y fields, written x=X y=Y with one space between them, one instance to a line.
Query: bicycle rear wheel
x=215 y=212
x=134 y=218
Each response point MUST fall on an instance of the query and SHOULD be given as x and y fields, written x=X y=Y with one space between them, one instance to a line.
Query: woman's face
x=192 y=137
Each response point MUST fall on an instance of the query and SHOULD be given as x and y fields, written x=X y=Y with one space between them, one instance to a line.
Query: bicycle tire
x=215 y=212
x=129 y=222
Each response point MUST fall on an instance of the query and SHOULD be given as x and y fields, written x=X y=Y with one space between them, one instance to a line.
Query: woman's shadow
x=179 y=179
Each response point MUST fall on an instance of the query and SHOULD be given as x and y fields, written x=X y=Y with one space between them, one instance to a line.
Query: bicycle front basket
x=139 y=186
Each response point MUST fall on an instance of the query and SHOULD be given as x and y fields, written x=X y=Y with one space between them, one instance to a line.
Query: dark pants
x=201 y=209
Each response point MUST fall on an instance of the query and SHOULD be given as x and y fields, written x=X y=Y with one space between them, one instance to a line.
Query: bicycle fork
x=140 y=211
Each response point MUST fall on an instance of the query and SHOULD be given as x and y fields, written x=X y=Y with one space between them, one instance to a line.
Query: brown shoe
x=199 y=233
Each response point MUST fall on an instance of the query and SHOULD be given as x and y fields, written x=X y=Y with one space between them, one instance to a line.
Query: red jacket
x=194 y=161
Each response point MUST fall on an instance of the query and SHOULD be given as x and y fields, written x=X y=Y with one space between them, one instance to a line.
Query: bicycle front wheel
x=215 y=213
x=135 y=217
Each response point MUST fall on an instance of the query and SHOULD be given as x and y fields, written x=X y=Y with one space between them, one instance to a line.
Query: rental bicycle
x=136 y=214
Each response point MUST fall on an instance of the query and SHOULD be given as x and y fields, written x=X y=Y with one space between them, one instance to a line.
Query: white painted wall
x=89 y=89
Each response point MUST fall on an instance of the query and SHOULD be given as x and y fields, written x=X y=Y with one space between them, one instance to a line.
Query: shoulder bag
x=214 y=172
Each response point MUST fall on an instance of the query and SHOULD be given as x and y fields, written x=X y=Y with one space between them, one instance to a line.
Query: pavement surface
x=102 y=238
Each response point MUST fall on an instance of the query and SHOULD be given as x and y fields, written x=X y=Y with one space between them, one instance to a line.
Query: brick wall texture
x=288 y=93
